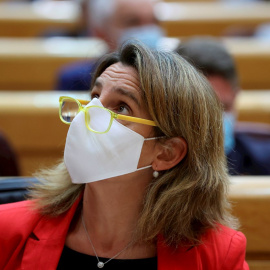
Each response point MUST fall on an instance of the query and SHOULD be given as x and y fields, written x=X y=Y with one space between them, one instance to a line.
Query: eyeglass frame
x=114 y=115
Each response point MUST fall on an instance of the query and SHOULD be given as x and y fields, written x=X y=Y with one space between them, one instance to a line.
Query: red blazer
x=31 y=241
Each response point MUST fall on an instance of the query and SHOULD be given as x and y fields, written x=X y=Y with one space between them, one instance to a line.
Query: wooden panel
x=258 y=265
x=254 y=106
x=32 y=64
x=250 y=196
x=251 y=200
x=29 y=19
x=252 y=58
x=186 y=19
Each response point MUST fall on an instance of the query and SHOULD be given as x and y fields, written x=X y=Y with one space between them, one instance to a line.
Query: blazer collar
x=44 y=246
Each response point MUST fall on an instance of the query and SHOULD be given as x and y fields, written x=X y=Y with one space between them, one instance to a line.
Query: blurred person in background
x=8 y=159
x=113 y=21
x=246 y=155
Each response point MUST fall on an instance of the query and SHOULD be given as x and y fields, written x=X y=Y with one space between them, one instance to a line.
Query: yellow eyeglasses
x=97 y=119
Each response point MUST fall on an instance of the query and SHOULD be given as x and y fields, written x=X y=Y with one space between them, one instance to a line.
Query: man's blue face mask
x=148 y=34
x=228 y=130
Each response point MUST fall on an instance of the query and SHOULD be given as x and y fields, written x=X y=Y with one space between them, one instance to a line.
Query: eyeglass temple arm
x=83 y=102
x=136 y=120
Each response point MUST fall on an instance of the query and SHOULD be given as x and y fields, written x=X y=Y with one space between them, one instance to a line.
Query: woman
x=142 y=185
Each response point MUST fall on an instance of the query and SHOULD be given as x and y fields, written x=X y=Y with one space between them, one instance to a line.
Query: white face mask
x=91 y=157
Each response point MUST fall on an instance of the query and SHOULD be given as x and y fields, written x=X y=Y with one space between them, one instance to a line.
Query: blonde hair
x=192 y=196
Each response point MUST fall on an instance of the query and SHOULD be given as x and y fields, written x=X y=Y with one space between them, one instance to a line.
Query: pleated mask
x=91 y=156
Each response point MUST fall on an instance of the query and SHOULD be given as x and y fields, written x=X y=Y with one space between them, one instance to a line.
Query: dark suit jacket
x=76 y=77
x=250 y=156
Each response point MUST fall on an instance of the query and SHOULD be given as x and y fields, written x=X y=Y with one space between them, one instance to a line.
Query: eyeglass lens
x=98 y=119
x=69 y=110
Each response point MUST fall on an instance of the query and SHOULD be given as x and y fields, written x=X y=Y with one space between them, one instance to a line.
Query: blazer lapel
x=44 y=246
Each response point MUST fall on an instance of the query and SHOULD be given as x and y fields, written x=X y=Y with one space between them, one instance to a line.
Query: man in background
x=114 y=21
x=246 y=155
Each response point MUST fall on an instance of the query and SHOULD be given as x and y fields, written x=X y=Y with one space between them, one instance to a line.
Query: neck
x=111 y=207
x=110 y=210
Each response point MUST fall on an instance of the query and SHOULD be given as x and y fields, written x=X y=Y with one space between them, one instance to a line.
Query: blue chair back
x=14 y=189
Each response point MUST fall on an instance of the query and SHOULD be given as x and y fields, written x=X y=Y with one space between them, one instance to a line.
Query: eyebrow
x=128 y=94
x=120 y=91
x=97 y=83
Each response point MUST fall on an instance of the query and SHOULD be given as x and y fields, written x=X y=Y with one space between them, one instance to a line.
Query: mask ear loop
x=155 y=173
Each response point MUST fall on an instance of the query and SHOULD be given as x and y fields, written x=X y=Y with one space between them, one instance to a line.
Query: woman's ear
x=170 y=154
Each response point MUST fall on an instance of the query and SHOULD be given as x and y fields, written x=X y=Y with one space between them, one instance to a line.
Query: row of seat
x=216 y=18
x=250 y=197
x=32 y=64
x=178 y=18
x=29 y=19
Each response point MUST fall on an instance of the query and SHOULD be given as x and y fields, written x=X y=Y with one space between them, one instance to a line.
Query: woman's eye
x=123 y=109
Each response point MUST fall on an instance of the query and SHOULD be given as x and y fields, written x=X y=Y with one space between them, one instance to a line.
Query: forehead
x=121 y=82
x=121 y=75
